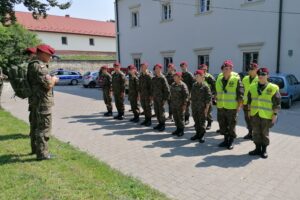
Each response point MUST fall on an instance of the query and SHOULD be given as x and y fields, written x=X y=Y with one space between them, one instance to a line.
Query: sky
x=101 y=10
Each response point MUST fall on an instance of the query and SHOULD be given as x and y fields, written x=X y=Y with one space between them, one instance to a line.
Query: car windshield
x=278 y=81
x=86 y=73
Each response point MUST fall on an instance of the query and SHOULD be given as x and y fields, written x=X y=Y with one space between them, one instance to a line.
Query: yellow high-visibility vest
x=227 y=98
x=246 y=84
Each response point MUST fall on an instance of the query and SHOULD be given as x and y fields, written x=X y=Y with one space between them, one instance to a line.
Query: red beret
x=253 y=65
x=46 y=49
x=178 y=74
x=158 y=65
x=104 y=67
x=203 y=66
x=171 y=65
x=263 y=70
x=30 y=50
x=183 y=63
x=131 y=67
x=144 y=63
x=117 y=64
x=200 y=72
x=228 y=63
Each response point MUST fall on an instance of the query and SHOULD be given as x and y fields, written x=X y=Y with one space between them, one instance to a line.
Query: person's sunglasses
x=262 y=74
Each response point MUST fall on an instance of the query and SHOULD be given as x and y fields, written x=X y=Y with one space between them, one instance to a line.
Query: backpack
x=19 y=82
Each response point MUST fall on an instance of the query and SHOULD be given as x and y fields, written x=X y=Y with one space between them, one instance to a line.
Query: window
x=135 y=19
x=92 y=42
x=166 y=11
x=167 y=60
x=203 y=59
x=249 y=57
x=204 y=6
x=137 y=63
x=293 y=80
x=64 y=40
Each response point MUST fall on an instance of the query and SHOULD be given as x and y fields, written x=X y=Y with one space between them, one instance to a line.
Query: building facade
x=210 y=31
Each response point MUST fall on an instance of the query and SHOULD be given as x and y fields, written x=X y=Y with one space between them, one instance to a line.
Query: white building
x=210 y=31
x=70 y=35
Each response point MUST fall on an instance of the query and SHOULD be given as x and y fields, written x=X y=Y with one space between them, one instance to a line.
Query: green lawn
x=71 y=175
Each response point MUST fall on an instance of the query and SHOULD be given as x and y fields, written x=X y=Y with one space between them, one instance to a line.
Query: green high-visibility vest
x=246 y=84
x=227 y=98
x=232 y=73
x=262 y=104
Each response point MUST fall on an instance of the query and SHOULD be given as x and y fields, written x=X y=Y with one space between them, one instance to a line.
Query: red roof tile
x=62 y=24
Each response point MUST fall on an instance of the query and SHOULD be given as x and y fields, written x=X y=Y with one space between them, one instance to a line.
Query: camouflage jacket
x=133 y=87
x=106 y=81
x=211 y=81
x=169 y=77
x=188 y=79
x=160 y=88
x=145 y=86
x=118 y=82
x=200 y=95
x=179 y=94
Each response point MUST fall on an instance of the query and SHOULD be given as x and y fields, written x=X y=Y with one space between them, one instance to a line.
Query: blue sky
x=88 y=9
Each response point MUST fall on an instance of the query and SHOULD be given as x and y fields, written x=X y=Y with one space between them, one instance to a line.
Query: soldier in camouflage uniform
x=118 y=87
x=106 y=89
x=133 y=93
x=169 y=76
x=42 y=99
x=179 y=99
x=161 y=93
x=201 y=101
x=188 y=79
x=2 y=77
x=145 y=89
x=211 y=82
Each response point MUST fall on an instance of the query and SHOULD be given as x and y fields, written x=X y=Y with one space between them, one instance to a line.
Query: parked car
x=289 y=88
x=67 y=77
x=90 y=79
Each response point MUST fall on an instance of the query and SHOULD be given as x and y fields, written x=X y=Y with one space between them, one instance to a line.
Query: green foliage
x=87 y=57
x=38 y=8
x=13 y=41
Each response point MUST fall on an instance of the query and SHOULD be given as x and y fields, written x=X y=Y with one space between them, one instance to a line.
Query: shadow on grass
x=15 y=158
x=13 y=136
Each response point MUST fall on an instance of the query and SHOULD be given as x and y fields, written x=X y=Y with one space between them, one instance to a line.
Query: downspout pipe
x=118 y=29
x=279 y=36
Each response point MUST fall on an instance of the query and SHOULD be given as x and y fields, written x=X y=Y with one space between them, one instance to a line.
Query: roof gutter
x=279 y=37
x=118 y=34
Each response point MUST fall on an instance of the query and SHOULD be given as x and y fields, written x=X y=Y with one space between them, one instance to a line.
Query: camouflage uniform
x=170 y=79
x=210 y=80
x=106 y=89
x=188 y=79
x=161 y=93
x=200 y=97
x=133 y=95
x=179 y=99
x=40 y=105
x=145 y=89
x=118 y=87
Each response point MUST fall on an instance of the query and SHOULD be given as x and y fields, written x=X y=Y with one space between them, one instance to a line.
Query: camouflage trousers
x=134 y=105
x=119 y=102
x=261 y=128
x=178 y=116
x=107 y=99
x=227 y=119
x=209 y=117
x=33 y=125
x=170 y=108
x=146 y=105
x=159 y=110
x=187 y=110
x=247 y=118
x=199 y=118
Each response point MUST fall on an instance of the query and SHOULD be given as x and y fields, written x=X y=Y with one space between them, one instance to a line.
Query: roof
x=66 y=24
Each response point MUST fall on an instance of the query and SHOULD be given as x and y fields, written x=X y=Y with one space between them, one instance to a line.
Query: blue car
x=67 y=77
x=289 y=88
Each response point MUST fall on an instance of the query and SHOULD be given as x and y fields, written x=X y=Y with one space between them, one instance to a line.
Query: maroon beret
x=171 y=65
x=200 y=72
x=46 y=49
x=228 y=63
x=183 y=63
x=178 y=74
x=30 y=50
x=203 y=66
x=131 y=67
x=117 y=64
x=263 y=70
x=145 y=63
x=253 y=65
x=158 y=65
x=104 y=67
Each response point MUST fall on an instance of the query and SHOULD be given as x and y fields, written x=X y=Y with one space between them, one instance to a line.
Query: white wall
x=78 y=42
x=222 y=30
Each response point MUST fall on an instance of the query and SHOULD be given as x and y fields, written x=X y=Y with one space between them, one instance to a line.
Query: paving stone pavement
x=178 y=167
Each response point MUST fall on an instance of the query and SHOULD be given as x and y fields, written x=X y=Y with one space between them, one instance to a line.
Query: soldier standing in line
x=169 y=76
x=106 y=89
x=161 y=93
x=118 y=87
x=133 y=93
x=179 y=99
x=201 y=102
x=264 y=100
x=188 y=79
x=211 y=82
x=230 y=92
x=247 y=81
x=41 y=84
x=145 y=89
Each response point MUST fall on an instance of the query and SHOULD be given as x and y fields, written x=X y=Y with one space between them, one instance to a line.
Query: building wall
x=78 y=42
x=221 y=33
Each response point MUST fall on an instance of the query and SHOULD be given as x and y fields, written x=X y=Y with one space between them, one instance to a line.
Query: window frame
x=64 y=40
x=135 y=21
x=167 y=61
x=166 y=14
x=92 y=41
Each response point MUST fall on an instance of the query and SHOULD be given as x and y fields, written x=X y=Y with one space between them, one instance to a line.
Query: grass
x=71 y=175
x=87 y=57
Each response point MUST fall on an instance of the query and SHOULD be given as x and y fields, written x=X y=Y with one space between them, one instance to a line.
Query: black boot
x=187 y=120
x=201 y=139
x=230 y=143
x=148 y=122
x=256 y=151
x=208 y=126
x=225 y=142
x=248 y=136
x=108 y=114
x=180 y=132
x=195 y=137
x=162 y=128
x=137 y=119
x=175 y=132
x=120 y=116
x=157 y=126
x=264 y=153
x=144 y=122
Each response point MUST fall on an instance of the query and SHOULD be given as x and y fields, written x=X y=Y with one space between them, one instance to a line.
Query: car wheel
x=92 y=85
x=289 y=103
x=74 y=82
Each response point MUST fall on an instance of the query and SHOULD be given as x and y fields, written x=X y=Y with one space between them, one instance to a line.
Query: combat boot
x=195 y=137
x=256 y=151
x=137 y=119
x=264 y=153
x=224 y=143
x=201 y=139
x=120 y=116
x=162 y=128
x=175 y=132
x=230 y=143
x=208 y=126
x=157 y=126
x=148 y=122
x=180 y=132
x=248 y=136
x=108 y=114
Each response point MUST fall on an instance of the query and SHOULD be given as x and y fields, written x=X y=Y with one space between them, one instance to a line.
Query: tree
x=13 y=41
x=38 y=8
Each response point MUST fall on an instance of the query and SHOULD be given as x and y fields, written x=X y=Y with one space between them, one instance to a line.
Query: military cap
x=200 y=72
x=30 y=50
x=228 y=63
x=131 y=67
x=171 y=65
x=104 y=67
x=158 y=65
x=183 y=63
x=203 y=66
x=263 y=71
x=46 y=49
x=253 y=66
x=117 y=64
x=178 y=74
